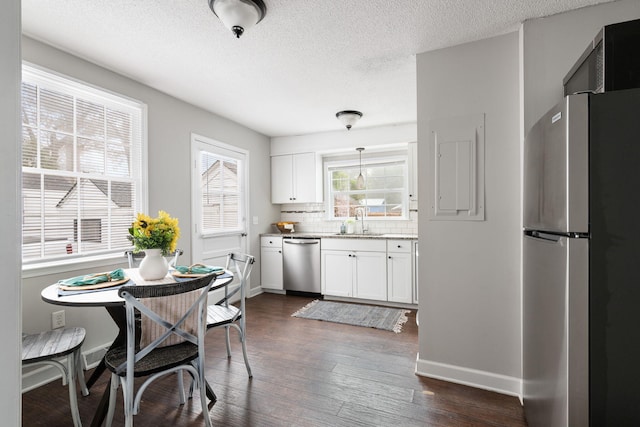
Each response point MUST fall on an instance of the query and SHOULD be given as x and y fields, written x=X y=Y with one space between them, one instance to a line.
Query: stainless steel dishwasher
x=301 y=265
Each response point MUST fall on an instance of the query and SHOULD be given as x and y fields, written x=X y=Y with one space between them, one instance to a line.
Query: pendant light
x=348 y=117
x=238 y=15
x=360 y=180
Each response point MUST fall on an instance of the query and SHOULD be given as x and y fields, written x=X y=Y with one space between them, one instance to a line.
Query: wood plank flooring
x=306 y=373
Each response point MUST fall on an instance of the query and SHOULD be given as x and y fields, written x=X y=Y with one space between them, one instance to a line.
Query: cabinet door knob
x=399 y=246
x=279 y=252
x=389 y=256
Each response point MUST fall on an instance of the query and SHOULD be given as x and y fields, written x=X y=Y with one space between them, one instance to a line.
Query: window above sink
x=385 y=194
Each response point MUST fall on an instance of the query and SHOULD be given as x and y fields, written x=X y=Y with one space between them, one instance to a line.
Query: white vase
x=153 y=266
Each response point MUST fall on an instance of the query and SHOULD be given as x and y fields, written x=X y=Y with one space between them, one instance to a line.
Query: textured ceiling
x=292 y=72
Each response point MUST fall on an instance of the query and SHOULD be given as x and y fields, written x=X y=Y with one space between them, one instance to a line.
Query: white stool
x=43 y=348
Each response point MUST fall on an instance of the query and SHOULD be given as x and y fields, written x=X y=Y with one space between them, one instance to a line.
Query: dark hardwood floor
x=306 y=373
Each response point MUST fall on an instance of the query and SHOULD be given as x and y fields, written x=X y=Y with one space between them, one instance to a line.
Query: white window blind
x=385 y=192
x=81 y=168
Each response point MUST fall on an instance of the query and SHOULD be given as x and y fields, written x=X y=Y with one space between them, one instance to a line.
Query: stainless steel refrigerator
x=581 y=274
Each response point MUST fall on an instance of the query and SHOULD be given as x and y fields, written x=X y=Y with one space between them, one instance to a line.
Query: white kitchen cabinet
x=337 y=273
x=271 y=262
x=296 y=178
x=370 y=280
x=416 y=268
x=354 y=268
x=399 y=271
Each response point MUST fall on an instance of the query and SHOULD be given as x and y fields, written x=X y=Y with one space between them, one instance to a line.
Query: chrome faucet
x=360 y=212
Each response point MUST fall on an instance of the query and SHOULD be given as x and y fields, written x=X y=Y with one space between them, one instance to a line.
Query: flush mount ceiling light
x=238 y=15
x=349 y=118
x=360 y=179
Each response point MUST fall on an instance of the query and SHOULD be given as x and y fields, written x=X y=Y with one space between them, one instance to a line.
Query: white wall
x=170 y=124
x=552 y=45
x=469 y=288
x=10 y=257
x=469 y=271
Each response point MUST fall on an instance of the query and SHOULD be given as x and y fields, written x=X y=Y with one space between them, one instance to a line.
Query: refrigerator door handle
x=543 y=235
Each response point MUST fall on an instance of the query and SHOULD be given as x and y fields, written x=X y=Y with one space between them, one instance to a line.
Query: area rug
x=388 y=319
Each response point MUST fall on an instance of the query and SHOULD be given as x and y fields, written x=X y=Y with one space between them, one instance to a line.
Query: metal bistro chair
x=45 y=347
x=222 y=314
x=134 y=258
x=171 y=339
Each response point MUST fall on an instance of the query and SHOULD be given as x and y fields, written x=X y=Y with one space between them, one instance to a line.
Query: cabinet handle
x=279 y=252
x=389 y=256
x=270 y=242
x=399 y=246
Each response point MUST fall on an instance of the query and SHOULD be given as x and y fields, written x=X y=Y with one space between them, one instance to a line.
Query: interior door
x=219 y=200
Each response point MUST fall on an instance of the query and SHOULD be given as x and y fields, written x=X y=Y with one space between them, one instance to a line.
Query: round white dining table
x=114 y=304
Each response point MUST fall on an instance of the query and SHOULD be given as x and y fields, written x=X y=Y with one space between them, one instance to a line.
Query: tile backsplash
x=312 y=218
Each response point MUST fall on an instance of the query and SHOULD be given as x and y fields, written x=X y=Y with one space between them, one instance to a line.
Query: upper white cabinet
x=296 y=178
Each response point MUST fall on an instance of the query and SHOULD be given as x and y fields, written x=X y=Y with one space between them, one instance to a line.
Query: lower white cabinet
x=354 y=268
x=337 y=273
x=399 y=271
x=271 y=263
x=370 y=280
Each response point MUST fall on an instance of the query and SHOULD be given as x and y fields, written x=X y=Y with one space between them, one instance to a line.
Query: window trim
x=377 y=158
x=79 y=88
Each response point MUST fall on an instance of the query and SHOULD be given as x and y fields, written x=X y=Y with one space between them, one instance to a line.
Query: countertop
x=311 y=235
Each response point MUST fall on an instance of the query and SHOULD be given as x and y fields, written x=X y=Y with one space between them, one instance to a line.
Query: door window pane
x=221 y=193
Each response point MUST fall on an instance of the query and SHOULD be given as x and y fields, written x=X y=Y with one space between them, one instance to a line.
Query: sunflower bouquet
x=155 y=233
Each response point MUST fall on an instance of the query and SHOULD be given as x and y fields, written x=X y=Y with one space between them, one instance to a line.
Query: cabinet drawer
x=369 y=245
x=399 y=246
x=271 y=242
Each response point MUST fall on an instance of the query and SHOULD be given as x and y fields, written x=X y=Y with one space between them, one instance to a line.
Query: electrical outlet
x=57 y=319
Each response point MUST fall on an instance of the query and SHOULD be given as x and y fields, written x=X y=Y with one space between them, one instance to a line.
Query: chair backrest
x=177 y=311
x=134 y=258
x=241 y=265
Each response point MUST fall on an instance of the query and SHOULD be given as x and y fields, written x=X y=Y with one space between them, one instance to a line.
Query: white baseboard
x=271 y=291
x=40 y=376
x=372 y=301
x=503 y=384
